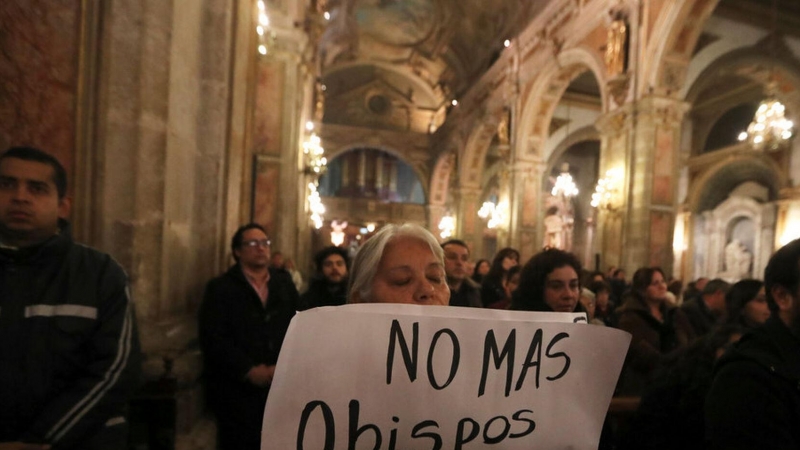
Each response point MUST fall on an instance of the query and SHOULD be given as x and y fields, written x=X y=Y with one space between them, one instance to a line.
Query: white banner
x=406 y=377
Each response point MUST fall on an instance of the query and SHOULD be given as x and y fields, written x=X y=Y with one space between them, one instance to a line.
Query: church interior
x=629 y=132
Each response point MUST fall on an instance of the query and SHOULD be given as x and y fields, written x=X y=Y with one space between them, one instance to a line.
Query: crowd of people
x=716 y=365
x=677 y=334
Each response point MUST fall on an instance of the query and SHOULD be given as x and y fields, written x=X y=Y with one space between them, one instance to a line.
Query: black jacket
x=237 y=333
x=469 y=295
x=69 y=352
x=701 y=318
x=319 y=293
x=754 y=401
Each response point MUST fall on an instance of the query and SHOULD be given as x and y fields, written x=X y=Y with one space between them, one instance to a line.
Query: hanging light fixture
x=564 y=186
x=447 y=225
x=770 y=128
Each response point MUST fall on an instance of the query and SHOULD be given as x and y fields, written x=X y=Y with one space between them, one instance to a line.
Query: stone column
x=644 y=138
x=469 y=227
x=525 y=203
x=654 y=182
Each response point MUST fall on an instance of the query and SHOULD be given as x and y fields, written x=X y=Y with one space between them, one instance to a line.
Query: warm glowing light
x=370 y=227
x=309 y=126
x=337 y=235
x=315 y=206
x=260 y=30
x=263 y=20
x=564 y=186
x=769 y=128
x=454 y=102
x=507 y=43
x=262 y=49
x=316 y=162
x=495 y=214
x=608 y=189
x=327 y=15
x=447 y=225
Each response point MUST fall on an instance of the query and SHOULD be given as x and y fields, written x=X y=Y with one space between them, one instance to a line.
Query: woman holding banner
x=657 y=328
x=400 y=264
x=549 y=282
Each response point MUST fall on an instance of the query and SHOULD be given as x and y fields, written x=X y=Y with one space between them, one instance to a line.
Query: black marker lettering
x=327 y=415
x=453 y=364
x=490 y=349
x=409 y=357
x=566 y=357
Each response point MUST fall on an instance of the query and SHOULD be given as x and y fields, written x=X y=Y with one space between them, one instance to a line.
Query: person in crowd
x=481 y=269
x=604 y=307
x=470 y=269
x=671 y=412
x=400 y=264
x=754 y=401
x=276 y=260
x=329 y=286
x=463 y=291
x=707 y=310
x=596 y=276
x=619 y=286
x=69 y=349
x=675 y=287
x=493 y=293
x=549 y=282
x=657 y=329
x=297 y=277
x=242 y=320
x=512 y=281
x=589 y=304
x=746 y=302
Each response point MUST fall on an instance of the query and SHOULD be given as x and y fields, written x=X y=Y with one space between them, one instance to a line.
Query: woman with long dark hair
x=746 y=302
x=657 y=328
x=493 y=292
x=481 y=269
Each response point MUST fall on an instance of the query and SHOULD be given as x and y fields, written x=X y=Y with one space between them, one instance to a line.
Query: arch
x=440 y=178
x=545 y=93
x=712 y=187
x=475 y=150
x=681 y=21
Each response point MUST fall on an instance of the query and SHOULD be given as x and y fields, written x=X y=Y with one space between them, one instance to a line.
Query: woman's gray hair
x=365 y=264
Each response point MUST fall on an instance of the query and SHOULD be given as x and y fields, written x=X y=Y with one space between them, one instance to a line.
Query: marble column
x=469 y=227
x=525 y=203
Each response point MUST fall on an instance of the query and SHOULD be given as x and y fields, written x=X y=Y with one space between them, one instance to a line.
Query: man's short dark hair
x=715 y=285
x=322 y=255
x=533 y=277
x=783 y=269
x=456 y=242
x=34 y=154
x=236 y=240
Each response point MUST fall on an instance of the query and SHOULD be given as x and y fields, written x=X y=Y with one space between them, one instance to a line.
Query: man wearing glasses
x=242 y=322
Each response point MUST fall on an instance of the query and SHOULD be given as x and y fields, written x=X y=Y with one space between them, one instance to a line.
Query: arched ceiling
x=448 y=44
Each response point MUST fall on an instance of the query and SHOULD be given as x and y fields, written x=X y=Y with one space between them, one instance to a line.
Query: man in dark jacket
x=707 y=310
x=329 y=286
x=69 y=353
x=243 y=319
x=754 y=401
x=463 y=291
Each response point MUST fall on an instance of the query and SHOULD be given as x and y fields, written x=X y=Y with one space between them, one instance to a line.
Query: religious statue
x=616 y=47
x=737 y=259
x=554 y=229
x=502 y=129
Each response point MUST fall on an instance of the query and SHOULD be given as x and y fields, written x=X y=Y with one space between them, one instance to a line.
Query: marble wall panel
x=268 y=110
x=39 y=45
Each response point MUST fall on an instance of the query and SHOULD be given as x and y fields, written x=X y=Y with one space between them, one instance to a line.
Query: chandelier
x=315 y=166
x=495 y=214
x=606 y=192
x=564 y=185
x=769 y=128
x=447 y=225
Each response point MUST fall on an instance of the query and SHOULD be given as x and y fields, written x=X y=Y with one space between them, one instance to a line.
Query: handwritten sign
x=404 y=377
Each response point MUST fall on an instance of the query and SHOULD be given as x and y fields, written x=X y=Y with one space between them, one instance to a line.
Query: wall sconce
x=447 y=225
x=606 y=193
x=495 y=214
